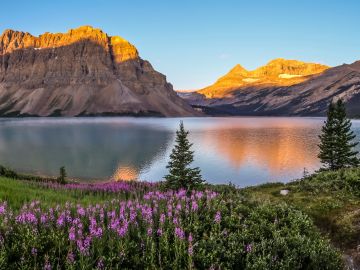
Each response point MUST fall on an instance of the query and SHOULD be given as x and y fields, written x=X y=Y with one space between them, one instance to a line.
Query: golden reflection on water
x=244 y=150
x=125 y=173
x=276 y=146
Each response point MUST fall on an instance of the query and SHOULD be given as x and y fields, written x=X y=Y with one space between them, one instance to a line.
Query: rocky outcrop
x=81 y=72
x=306 y=94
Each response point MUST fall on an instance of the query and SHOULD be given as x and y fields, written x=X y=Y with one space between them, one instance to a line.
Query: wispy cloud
x=224 y=56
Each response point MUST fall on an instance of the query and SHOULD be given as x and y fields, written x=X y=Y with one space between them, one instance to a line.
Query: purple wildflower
x=217 y=217
x=60 y=221
x=190 y=248
x=175 y=221
x=179 y=233
x=100 y=264
x=198 y=194
x=190 y=238
x=2 y=208
x=70 y=258
x=194 y=206
x=26 y=218
x=72 y=234
x=43 y=218
x=178 y=206
x=162 y=218
x=87 y=242
x=248 y=248
x=47 y=266
x=81 y=211
x=122 y=230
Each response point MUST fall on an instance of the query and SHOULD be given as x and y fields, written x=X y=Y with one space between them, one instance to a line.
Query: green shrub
x=267 y=237
x=347 y=180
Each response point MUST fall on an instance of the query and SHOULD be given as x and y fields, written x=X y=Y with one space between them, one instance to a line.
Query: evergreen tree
x=336 y=139
x=63 y=175
x=346 y=155
x=180 y=175
x=327 y=139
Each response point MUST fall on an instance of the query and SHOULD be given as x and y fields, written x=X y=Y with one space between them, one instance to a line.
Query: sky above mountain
x=194 y=42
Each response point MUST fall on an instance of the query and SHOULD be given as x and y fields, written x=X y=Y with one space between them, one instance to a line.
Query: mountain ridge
x=278 y=71
x=81 y=72
x=308 y=96
x=13 y=40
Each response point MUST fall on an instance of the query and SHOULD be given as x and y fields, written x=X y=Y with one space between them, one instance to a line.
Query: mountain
x=282 y=87
x=79 y=73
x=278 y=72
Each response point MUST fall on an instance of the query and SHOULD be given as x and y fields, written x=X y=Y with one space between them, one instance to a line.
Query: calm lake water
x=243 y=150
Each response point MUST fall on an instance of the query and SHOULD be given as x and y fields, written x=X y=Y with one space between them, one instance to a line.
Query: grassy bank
x=220 y=227
x=17 y=193
x=331 y=199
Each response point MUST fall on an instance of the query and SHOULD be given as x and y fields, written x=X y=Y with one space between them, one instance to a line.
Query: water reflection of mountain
x=125 y=173
x=278 y=146
x=87 y=150
x=244 y=150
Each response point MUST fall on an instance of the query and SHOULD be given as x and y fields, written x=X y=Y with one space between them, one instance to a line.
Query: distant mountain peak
x=86 y=28
x=283 y=61
x=278 y=72
x=292 y=67
x=238 y=68
x=290 y=93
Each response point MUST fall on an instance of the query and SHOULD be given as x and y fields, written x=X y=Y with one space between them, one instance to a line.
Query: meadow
x=136 y=225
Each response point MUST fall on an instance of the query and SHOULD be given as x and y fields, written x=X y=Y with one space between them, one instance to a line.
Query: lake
x=243 y=150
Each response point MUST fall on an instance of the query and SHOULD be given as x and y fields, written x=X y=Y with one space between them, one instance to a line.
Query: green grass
x=17 y=192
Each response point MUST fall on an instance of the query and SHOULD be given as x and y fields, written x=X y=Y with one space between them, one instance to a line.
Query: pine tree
x=346 y=156
x=328 y=139
x=63 y=175
x=336 y=139
x=180 y=175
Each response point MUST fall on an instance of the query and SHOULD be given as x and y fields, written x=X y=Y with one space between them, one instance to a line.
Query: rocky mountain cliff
x=81 y=72
x=282 y=87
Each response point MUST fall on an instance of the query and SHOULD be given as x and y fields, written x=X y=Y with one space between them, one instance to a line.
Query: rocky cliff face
x=307 y=94
x=81 y=72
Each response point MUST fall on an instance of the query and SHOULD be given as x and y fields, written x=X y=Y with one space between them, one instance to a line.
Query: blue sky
x=195 y=42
